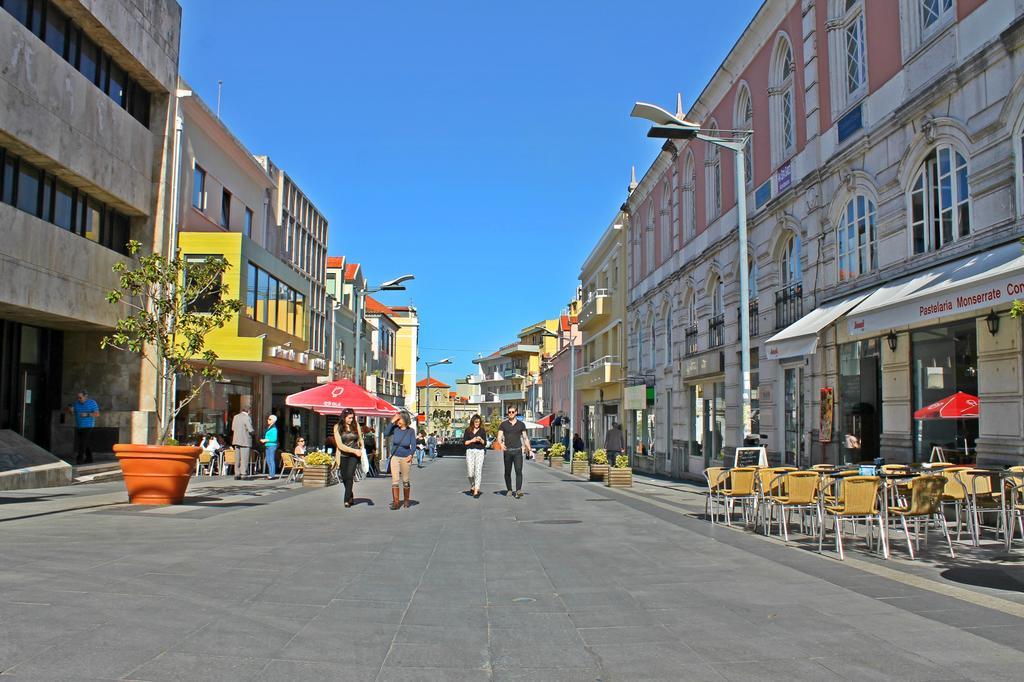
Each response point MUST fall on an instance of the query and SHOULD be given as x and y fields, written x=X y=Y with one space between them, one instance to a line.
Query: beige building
x=511 y=376
x=441 y=403
x=407 y=352
x=86 y=154
x=600 y=379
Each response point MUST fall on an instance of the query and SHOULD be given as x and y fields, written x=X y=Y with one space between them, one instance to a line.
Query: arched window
x=689 y=198
x=856 y=239
x=783 y=114
x=665 y=215
x=692 y=332
x=668 y=336
x=933 y=11
x=649 y=240
x=640 y=347
x=940 y=205
x=718 y=298
x=745 y=121
x=654 y=346
x=713 y=176
x=716 y=325
x=789 y=266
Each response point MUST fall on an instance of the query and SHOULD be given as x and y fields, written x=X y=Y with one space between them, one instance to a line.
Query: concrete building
x=441 y=404
x=600 y=377
x=884 y=197
x=466 y=388
x=511 y=376
x=380 y=376
x=88 y=92
x=556 y=373
x=407 y=352
x=227 y=208
x=341 y=317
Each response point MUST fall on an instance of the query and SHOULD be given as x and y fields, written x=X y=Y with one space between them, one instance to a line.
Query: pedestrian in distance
x=241 y=440
x=432 y=446
x=269 y=441
x=403 y=444
x=577 y=443
x=300 y=447
x=348 y=451
x=421 y=448
x=614 y=442
x=515 y=442
x=370 y=445
x=475 y=440
x=85 y=410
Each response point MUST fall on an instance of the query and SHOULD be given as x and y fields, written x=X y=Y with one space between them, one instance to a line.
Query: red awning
x=960 y=405
x=546 y=421
x=341 y=395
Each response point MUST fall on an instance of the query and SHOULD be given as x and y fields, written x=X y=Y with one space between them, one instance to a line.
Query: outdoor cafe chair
x=801 y=494
x=981 y=498
x=859 y=502
x=769 y=481
x=741 y=489
x=924 y=497
x=228 y=459
x=716 y=478
x=1013 y=495
x=204 y=465
x=287 y=464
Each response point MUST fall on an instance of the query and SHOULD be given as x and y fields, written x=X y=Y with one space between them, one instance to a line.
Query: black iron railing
x=754 y=326
x=692 y=332
x=789 y=305
x=716 y=331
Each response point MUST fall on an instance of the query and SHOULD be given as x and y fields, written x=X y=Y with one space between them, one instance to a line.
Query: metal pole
x=741 y=208
x=334 y=340
x=426 y=410
x=572 y=393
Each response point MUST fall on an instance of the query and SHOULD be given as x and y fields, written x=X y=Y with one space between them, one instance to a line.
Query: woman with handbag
x=403 y=445
x=349 y=451
x=475 y=440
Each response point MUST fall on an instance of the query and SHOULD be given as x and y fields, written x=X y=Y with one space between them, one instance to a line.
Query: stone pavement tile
x=535 y=603
x=726 y=646
x=316 y=671
x=70 y=659
x=348 y=631
x=364 y=611
x=507 y=654
x=626 y=634
x=553 y=634
x=886 y=666
x=173 y=666
x=326 y=647
x=500 y=617
x=366 y=589
x=459 y=654
x=776 y=669
x=400 y=674
x=971 y=616
x=654 y=661
x=461 y=616
x=14 y=651
x=273 y=612
x=440 y=634
x=448 y=596
x=548 y=674
x=610 y=597
x=601 y=616
x=1008 y=635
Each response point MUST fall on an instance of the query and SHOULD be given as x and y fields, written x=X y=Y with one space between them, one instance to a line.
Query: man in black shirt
x=512 y=436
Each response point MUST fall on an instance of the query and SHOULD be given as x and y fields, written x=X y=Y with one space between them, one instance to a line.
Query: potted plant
x=580 y=463
x=556 y=455
x=170 y=306
x=599 y=467
x=619 y=475
x=317 y=471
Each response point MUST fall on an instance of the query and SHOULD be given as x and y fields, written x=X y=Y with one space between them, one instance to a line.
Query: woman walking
x=348 y=442
x=403 y=444
x=269 y=441
x=475 y=440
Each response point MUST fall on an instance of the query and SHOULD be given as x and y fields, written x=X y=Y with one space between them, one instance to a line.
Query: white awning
x=801 y=337
x=990 y=279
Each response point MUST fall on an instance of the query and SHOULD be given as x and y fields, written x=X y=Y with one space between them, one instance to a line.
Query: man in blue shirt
x=85 y=410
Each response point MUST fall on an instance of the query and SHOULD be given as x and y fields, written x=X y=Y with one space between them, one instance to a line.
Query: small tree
x=172 y=305
x=491 y=426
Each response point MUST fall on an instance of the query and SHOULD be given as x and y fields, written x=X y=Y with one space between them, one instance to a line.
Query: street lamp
x=572 y=382
x=426 y=409
x=675 y=127
x=391 y=285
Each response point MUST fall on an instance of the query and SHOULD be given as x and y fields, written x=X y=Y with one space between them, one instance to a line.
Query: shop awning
x=801 y=337
x=546 y=421
x=984 y=280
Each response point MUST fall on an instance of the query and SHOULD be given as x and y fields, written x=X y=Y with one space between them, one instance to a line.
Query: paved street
x=266 y=581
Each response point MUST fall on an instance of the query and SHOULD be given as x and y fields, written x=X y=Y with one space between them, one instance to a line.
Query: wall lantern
x=891 y=338
x=992 y=320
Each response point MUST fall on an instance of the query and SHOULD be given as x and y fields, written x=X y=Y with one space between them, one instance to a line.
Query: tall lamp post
x=396 y=284
x=572 y=381
x=675 y=127
x=426 y=409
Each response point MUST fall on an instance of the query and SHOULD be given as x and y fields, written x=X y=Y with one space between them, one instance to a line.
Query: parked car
x=540 y=445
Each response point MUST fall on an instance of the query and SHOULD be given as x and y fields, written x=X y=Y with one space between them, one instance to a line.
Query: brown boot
x=394 y=497
x=406 y=490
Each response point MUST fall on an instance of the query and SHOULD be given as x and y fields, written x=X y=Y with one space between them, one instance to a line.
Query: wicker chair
x=741 y=489
x=770 y=482
x=981 y=498
x=230 y=460
x=859 y=502
x=1013 y=495
x=716 y=478
x=924 y=502
x=801 y=494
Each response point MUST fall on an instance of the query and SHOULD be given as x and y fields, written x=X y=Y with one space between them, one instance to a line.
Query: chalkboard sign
x=751 y=457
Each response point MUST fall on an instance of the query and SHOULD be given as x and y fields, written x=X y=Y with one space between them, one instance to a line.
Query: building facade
x=88 y=92
x=407 y=352
x=884 y=189
x=556 y=374
x=341 y=316
x=441 y=405
x=383 y=338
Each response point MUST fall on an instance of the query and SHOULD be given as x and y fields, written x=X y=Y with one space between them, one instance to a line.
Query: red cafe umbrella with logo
x=960 y=405
x=341 y=395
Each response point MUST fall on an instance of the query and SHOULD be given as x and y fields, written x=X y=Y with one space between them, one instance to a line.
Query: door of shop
x=794 y=416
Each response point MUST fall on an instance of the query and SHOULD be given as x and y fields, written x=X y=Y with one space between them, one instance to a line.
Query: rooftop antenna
x=220 y=86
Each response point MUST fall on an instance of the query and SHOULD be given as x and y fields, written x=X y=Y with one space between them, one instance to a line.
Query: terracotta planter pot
x=156 y=474
x=581 y=468
x=598 y=472
x=619 y=478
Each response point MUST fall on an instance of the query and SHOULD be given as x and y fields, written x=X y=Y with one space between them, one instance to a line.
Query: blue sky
x=483 y=146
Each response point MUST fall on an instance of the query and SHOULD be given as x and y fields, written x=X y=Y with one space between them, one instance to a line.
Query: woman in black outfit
x=348 y=441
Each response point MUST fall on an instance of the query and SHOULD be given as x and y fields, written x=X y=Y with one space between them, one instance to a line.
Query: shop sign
x=703 y=364
x=635 y=398
x=784 y=177
x=972 y=297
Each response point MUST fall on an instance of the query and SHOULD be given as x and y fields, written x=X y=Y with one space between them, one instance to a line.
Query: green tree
x=171 y=305
x=491 y=426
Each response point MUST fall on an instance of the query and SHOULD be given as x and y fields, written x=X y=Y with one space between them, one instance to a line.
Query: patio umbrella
x=546 y=421
x=530 y=426
x=958 y=406
x=341 y=395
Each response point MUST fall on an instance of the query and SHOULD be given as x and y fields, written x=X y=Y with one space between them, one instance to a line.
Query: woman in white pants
x=475 y=440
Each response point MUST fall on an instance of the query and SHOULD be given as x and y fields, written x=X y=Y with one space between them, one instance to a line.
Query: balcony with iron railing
x=716 y=331
x=596 y=309
x=754 y=325
x=601 y=372
x=691 y=336
x=789 y=305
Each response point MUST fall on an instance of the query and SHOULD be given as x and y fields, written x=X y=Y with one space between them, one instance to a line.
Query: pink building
x=555 y=376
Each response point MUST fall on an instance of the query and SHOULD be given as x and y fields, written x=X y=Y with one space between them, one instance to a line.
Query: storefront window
x=860 y=401
x=794 y=416
x=696 y=450
x=211 y=411
x=945 y=361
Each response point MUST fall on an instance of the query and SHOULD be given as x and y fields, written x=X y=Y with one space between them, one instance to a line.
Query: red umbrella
x=546 y=421
x=960 y=405
x=340 y=395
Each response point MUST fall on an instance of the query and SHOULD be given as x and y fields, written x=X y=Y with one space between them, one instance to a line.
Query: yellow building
x=406 y=352
x=510 y=377
x=599 y=382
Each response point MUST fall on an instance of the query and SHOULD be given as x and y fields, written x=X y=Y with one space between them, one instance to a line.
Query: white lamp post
x=675 y=127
